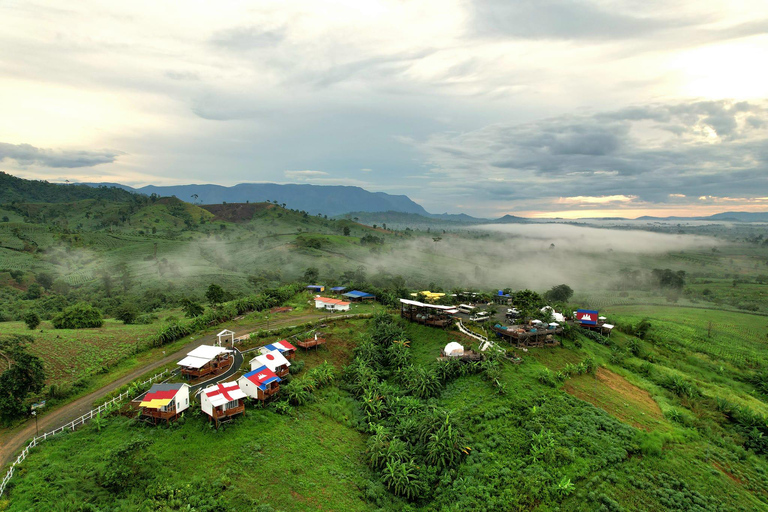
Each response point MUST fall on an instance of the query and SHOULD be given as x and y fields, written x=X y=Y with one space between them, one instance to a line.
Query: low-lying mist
x=531 y=256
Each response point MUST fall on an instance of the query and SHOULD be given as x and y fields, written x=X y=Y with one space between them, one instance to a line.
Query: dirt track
x=14 y=440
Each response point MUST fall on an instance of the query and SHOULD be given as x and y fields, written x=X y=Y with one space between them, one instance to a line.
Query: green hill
x=13 y=189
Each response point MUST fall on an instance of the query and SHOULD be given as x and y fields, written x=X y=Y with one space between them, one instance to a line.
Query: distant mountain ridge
x=330 y=200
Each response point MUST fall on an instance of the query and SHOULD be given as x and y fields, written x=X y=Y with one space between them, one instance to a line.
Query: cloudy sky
x=527 y=107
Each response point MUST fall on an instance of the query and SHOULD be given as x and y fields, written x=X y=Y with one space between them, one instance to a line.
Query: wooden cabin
x=260 y=383
x=164 y=402
x=285 y=348
x=273 y=360
x=205 y=360
x=222 y=401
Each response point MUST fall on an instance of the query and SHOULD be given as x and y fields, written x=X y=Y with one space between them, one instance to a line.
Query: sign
x=586 y=316
x=38 y=405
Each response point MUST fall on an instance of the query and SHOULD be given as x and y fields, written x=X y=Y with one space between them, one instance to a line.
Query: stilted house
x=222 y=401
x=204 y=360
x=164 y=402
x=282 y=346
x=273 y=360
x=331 y=304
x=260 y=383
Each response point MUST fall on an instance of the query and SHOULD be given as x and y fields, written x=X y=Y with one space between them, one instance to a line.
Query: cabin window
x=232 y=404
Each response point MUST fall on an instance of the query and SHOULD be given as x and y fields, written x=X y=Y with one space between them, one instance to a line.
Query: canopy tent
x=220 y=394
x=160 y=395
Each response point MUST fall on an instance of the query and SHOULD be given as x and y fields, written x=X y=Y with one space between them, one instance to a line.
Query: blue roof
x=357 y=294
x=316 y=286
x=338 y=288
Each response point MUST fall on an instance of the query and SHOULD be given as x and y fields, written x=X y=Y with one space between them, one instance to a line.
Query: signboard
x=38 y=405
x=586 y=316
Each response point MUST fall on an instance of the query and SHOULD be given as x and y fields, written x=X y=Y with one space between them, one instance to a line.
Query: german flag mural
x=160 y=395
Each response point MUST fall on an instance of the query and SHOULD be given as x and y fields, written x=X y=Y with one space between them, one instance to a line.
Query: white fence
x=71 y=426
x=485 y=343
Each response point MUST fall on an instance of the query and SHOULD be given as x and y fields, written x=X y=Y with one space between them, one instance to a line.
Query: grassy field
x=616 y=440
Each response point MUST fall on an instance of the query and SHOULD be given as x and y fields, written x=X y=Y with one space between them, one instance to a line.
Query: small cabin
x=316 y=288
x=331 y=304
x=222 y=401
x=164 y=402
x=204 y=360
x=273 y=360
x=282 y=346
x=260 y=383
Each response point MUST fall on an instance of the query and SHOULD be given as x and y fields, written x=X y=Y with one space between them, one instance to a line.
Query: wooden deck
x=311 y=343
x=209 y=370
x=156 y=415
x=521 y=337
x=441 y=321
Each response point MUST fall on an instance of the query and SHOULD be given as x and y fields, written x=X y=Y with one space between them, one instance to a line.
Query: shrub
x=32 y=320
x=79 y=316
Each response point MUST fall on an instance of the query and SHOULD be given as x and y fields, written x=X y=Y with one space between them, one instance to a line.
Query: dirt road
x=13 y=441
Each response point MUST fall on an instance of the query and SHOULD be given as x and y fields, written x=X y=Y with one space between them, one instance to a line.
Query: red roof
x=326 y=300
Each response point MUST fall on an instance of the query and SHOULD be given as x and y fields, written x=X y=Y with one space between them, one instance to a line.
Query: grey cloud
x=248 y=38
x=26 y=154
x=561 y=19
x=611 y=153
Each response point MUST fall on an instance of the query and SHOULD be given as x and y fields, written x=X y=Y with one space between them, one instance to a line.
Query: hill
x=314 y=199
x=13 y=189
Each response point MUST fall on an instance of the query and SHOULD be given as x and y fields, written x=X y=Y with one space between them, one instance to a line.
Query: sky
x=539 y=108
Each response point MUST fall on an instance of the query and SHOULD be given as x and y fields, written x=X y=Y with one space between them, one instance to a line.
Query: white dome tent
x=453 y=349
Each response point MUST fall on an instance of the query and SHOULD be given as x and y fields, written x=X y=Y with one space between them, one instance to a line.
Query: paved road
x=13 y=441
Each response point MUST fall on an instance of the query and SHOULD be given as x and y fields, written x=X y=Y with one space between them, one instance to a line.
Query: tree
x=311 y=275
x=26 y=375
x=32 y=320
x=79 y=316
x=559 y=293
x=192 y=308
x=45 y=280
x=127 y=313
x=215 y=294
x=34 y=291
x=346 y=230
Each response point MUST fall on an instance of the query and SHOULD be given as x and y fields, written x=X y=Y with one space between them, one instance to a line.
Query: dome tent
x=454 y=349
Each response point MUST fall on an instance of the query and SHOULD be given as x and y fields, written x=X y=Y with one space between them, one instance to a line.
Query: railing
x=485 y=343
x=71 y=426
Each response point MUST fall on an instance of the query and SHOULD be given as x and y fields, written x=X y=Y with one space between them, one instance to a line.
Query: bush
x=79 y=316
x=32 y=320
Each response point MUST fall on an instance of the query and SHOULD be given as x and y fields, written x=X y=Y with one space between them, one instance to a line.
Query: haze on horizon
x=490 y=107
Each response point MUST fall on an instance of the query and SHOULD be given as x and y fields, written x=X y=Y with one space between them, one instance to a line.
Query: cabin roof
x=160 y=395
x=261 y=376
x=272 y=359
x=220 y=394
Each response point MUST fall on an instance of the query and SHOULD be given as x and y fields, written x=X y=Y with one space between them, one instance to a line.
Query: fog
x=532 y=256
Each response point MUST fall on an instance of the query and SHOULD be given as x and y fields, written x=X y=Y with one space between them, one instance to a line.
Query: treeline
x=225 y=312
x=13 y=189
